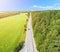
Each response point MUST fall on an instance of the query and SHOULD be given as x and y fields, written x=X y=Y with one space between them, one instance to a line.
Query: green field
x=12 y=33
x=46 y=27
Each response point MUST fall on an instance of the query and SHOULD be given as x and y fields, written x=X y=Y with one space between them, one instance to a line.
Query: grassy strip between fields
x=12 y=33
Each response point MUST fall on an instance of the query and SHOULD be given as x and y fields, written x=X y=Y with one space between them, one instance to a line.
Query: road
x=29 y=45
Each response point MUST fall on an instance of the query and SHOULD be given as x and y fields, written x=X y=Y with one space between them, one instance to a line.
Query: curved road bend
x=29 y=45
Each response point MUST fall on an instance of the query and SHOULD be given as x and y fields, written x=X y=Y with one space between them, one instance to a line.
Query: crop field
x=12 y=33
x=6 y=14
x=46 y=27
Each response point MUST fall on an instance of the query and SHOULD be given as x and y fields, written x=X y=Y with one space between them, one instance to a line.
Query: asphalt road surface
x=29 y=45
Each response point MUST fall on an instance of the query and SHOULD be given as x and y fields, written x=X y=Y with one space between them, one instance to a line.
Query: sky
x=25 y=5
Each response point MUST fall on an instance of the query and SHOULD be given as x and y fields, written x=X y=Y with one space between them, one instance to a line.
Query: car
x=28 y=28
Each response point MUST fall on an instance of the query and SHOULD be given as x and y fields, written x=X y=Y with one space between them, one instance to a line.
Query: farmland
x=46 y=27
x=6 y=14
x=12 y=33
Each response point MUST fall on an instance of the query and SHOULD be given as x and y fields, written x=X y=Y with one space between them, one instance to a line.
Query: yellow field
x=12 y=32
